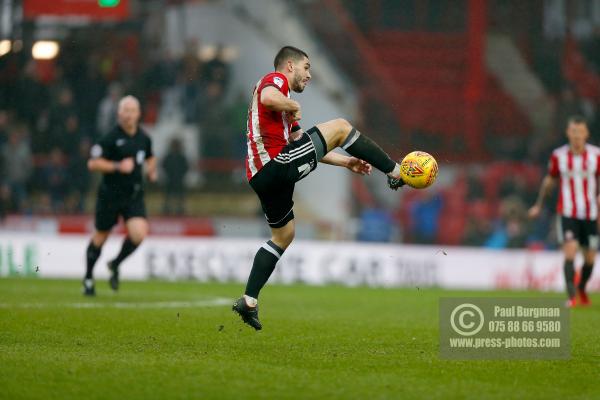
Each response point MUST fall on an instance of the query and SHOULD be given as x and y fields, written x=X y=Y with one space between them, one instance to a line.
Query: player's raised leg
x=340 y=133
x=92 y=254
x=137 y=230
x=263 y=266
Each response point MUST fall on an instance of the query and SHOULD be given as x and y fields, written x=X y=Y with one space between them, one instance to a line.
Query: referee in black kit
x=120 y=156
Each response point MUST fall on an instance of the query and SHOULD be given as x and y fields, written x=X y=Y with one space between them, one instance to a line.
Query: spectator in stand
x=376 y=225
x=474 y=185
x=510 y=228
x=215 y=141
x=217 y=69
x=212 y=115
x=517 y=186
x=476 y=231
x=107 y=110
x=175 y=165
x=78 y=176
x=31 y=95
x=61 y=110
x=236 y=125
x=17 y=163
x=54 y=174
x=70 y=139
x=425 y=215
x=162 y=77
x=191 y=75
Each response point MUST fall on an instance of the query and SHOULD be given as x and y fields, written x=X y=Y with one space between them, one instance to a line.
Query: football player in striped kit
x=280 y=154
x=575 y=168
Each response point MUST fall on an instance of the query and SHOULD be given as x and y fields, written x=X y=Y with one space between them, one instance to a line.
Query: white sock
x=395 y=172
x=250 y=301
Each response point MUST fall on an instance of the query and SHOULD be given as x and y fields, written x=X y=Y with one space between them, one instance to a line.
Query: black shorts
x=584 y=231
x=110 y=204
x=274 y=183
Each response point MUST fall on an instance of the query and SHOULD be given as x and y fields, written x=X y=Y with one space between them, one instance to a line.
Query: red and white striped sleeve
x=553 y=166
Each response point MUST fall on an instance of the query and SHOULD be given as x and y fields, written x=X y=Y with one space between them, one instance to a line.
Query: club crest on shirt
x=96 y=151
x=120 y=142
x=278 y=81
x=140 y=156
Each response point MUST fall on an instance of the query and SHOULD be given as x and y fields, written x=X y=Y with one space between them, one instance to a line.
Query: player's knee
x=138 y=235
x=285 y=238
x=343 y=127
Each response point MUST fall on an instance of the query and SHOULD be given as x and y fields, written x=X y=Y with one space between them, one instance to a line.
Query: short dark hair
x=577 y=119
x=287 y=52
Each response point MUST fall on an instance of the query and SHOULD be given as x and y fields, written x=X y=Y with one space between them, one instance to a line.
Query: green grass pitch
x=161 y=340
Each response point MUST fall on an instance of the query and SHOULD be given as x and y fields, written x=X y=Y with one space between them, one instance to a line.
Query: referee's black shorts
x=111 y=203
x=274 y=183
x=582 y=230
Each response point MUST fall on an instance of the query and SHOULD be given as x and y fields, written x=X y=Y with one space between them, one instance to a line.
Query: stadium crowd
x=494 y=199
x=51 y=112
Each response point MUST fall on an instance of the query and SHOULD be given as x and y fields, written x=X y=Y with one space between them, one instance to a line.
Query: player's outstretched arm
x=547 y=185
x=354 y=164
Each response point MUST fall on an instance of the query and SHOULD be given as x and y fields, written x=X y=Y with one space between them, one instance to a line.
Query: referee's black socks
x=127 y=248
x=360 y=146
x=264 y=264
x=92 y=253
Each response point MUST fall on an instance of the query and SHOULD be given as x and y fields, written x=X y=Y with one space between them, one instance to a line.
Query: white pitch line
x=215 y=302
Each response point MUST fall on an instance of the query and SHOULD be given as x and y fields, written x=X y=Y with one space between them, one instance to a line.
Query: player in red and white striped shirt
x=576 y=167
x=268 y=131
x=280 y=153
